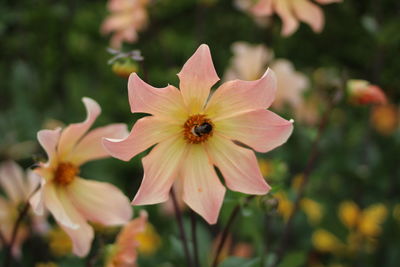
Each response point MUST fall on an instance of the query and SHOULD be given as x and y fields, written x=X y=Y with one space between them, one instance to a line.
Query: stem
x=22 y=214
x=179 y=220
x=194 y=239
x=225 y=232
x=3 y=239
x=306 y=174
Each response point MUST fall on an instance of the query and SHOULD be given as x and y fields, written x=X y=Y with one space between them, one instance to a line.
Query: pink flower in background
x=125 y=249
x=195 y=132
x=293 y=11
x=248 y=63
x=362 y=92
x=71 y=199
x=18 y=187
x=126 y=19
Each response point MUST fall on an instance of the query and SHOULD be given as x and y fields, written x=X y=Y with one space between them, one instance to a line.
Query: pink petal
x=100 y=202
x=91 y=147
x=164 y=102
x=11 y=180
x=160 y=170
x=33 y=181
x=284 y=10
x=238 y=96
x=71 y=134
x=324 y=2
x=196 y=78
x=48 y=139
x=262 y=8
x=82 y=235
x=202 y=191
x=309 y=13
x=146 y=132
x=51 y=198
x=238 y=166
x=260 y=129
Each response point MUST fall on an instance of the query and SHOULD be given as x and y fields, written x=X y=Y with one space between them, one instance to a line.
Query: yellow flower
x=349 y=213
x=312 y=209
x=326 y=242
x=149 y=241
x=266 y=167
x=285 y=207
x=371 y=220
x=297 y=181
x=59 y=242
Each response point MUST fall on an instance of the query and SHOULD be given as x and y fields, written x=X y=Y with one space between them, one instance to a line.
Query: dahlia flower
x=18 y=187
x=291 y=11
x=71 y=199
x=195 y=132
x=126 y=19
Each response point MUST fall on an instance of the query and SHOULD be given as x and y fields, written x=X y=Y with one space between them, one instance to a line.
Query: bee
x=202 y=129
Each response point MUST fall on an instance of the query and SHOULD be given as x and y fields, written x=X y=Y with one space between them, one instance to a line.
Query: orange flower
x=385 y=119
x=362 y=92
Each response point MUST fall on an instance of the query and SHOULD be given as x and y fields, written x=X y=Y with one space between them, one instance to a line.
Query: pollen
x=197 y=129
x=65 y=173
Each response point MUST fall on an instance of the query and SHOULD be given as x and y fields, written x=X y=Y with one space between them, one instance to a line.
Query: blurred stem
x=179 y=221
x=229 y=224
x=194 y=239
x=3 y=239
x=306 y=174
x=9 y=247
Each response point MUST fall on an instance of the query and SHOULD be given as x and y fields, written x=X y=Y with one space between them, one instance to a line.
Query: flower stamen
x=65 y=173
x=197 y=129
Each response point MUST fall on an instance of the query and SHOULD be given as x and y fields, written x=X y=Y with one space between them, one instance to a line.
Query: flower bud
x=361 y=92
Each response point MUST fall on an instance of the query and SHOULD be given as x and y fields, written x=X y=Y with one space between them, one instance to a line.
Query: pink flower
x=124 y=253
x=71 y=199
x=363 y=93
x=127 y=18
x=18 y=187
x=195 y=132
x=291 y=11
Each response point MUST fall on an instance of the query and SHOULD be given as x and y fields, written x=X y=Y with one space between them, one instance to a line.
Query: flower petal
x=202 y=190
x=160 y=171
x=100 y=202
x=71 y=134
x=163 y=102
x=91 y=148
x=238 y=96
x=48 y=139
x=309 y=13
x=324 y=2
x=260 y=129
x=11 y=180
x=196 y=78
x=284 y=10
x=146 y=132
x=82 y=235
x=51 y=198
x=238 y=166
x=262 y=8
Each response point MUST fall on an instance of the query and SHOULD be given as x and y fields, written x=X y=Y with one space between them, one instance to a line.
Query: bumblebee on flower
x=195 y=132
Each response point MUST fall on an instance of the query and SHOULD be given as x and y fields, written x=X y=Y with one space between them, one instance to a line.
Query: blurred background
x=53 y=53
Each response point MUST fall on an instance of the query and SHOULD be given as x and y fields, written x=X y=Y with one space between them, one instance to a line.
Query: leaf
x=240 y=262
x=294 y=259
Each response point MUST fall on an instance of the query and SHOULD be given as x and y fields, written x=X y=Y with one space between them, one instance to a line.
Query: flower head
x=71 y=199
x=195 y=132
x=127 y=18
x=136 y=236
x=362 y=92
x=18 y=187
x=293 y=11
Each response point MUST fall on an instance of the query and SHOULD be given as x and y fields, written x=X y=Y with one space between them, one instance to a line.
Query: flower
x=127 y=18
x=193 y=134
x=59 y=242
x=248 y=63
x=291 y=11
x=136 y=236
x=71 y=199
x=385 y=119
x=326 y=242
x=18 y=187
x=361 y=92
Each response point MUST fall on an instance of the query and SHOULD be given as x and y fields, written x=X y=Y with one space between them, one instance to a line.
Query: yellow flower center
x=197 y=129
x=65 y=173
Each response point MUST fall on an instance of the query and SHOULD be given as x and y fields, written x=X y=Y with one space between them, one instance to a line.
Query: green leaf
x=294 y=259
